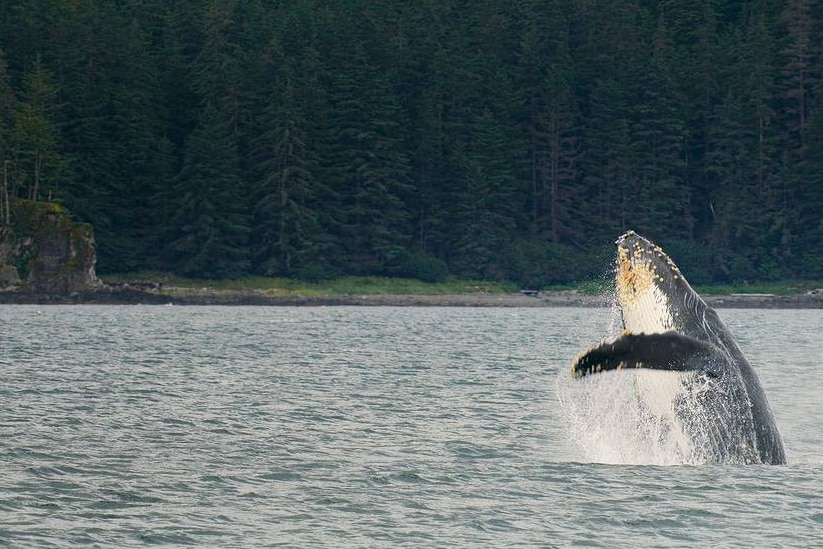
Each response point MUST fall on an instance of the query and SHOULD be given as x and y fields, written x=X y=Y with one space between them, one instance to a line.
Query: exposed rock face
x=43 y=250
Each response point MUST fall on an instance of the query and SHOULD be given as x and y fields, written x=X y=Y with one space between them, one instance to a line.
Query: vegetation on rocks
x=43 y=250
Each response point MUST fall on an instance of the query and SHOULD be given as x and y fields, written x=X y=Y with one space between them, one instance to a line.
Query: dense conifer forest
x=485 y=139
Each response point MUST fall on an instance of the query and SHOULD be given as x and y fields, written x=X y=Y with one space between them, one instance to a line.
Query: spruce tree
x=285 y=225
x=38 y=164
x=210 y=227
x=661 y=203
x=365 y=164
x=486 y=215
x=607 y=161
x=6 y=125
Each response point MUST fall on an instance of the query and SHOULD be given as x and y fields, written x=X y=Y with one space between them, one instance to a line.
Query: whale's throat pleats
x=646 y=309
x=644 y=306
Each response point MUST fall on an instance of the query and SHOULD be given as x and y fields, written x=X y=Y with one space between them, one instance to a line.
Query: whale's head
x=651 y=290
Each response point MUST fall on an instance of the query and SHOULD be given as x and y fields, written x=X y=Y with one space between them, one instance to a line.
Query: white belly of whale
x=658 y=391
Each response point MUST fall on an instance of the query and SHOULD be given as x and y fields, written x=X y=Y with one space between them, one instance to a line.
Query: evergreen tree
x=692 y=33
x=742 y=162
x=808 y=222
x=548 y=78
x=285 y=225
x=486 y=215
x=6 y=125
x=798 y=76
x=210 y=227
x=661 y=201
x=365 y=164
x=6 y=109
x=37 y=162
x=607 y=160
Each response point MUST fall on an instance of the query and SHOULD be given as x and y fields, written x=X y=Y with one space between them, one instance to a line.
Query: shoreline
x=207 y=297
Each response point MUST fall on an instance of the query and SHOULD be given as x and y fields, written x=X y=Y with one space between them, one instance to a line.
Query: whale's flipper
x=667 y=351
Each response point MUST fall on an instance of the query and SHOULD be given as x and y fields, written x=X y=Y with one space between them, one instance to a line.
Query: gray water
x=370 y=427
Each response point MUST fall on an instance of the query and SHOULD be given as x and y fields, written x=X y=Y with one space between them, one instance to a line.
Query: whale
x=688 y=368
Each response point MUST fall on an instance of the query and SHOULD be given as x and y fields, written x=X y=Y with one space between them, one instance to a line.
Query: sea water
x=131 y=426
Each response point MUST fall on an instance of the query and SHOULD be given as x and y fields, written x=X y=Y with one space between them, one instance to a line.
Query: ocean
x=133 y=426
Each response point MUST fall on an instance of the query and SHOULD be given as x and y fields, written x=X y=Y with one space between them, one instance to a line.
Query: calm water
x=370 y=427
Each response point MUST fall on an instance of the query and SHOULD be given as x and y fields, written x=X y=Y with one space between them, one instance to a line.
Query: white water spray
x=626 y=417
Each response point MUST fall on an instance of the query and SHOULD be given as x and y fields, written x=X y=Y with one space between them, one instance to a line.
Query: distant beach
x=125 y=295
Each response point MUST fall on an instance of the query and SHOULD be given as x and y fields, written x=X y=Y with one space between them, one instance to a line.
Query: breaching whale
x=717 y=400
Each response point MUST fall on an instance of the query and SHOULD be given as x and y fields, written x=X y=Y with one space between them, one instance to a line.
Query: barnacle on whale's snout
x=634 y=274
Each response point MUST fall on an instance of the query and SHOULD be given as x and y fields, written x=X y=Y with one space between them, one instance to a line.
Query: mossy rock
x=49 y=252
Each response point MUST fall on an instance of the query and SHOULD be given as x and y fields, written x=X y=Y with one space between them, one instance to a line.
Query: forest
x=478 y=139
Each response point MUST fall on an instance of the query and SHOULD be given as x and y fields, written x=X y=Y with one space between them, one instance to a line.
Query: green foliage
x=694 y=260
x=418 y=265
x=285 y=190
x=536 y=264
x=37 y=164
x=210 y=226
x=513 y=142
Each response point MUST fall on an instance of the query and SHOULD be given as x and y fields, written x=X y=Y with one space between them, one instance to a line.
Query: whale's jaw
x=651 y=290
x=644 y=276
x=644 y=305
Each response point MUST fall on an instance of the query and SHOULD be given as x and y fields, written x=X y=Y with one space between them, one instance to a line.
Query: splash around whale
x=689 y=372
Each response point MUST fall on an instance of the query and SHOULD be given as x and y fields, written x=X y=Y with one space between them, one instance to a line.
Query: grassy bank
x=350 y=285
x=780 y=288
x=777 y=288
x=169 y=284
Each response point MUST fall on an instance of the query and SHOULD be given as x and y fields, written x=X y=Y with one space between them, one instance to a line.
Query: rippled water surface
x=369 y=427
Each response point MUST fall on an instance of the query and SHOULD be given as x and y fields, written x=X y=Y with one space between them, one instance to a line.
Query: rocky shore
x=126 y=294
